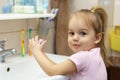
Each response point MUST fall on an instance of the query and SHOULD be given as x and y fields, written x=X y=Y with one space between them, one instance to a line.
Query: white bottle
x=39 y=6
x=18 y=6
x=45 y=5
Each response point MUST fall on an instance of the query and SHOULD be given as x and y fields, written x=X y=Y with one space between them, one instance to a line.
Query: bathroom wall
x=82 y=4
x=10 y=30
x=116 y=21
x=117 y=13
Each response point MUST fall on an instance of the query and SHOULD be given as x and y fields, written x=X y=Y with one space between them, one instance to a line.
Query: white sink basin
x=18 y=68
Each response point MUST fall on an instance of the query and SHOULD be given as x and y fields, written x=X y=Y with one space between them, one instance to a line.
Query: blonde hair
x=96 y=18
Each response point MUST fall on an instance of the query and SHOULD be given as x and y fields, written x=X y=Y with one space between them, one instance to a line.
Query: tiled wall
x=117 y=12
x=10 y=30
x=82 y=4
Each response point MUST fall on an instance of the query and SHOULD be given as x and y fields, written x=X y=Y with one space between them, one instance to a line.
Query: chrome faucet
x=4 y=52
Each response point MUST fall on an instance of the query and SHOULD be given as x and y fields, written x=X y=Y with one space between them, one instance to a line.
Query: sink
x=27 y=68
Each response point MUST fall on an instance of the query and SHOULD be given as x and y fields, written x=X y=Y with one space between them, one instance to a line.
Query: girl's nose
x=76 y=37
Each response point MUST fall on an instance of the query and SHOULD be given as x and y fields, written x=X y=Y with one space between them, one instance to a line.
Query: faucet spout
x=5 y=53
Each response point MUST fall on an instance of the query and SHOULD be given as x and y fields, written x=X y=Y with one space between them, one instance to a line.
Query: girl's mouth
x=76 y=46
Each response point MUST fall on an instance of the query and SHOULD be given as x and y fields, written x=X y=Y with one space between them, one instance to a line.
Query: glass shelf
x=23 y=16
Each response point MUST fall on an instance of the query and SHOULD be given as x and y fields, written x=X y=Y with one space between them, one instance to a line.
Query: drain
x=8 y=69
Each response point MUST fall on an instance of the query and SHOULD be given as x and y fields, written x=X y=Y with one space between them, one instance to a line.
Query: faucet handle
x=3 y=40
x=2 y=44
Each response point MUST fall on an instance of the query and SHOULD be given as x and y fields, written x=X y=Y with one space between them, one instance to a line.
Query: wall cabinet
x=113 y=73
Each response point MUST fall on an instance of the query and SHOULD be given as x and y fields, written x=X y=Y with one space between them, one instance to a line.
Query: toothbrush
x=30 y=33
x=30 y=36
x=53 y=11
x=22 y=43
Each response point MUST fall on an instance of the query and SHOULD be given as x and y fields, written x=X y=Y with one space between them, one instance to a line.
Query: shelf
x=23 y=16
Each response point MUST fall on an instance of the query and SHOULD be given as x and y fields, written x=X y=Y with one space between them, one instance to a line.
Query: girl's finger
x=29 y=40
x=43 y=42
x=40 y=41
x=36 y=38
x=33 y=40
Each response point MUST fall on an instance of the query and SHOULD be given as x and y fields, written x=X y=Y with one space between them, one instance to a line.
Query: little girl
x=86 y=38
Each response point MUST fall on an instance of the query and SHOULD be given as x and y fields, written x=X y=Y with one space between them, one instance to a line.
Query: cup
x=6 y=8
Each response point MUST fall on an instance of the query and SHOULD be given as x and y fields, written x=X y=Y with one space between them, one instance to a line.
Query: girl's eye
x=82 y=33
x=71 y=33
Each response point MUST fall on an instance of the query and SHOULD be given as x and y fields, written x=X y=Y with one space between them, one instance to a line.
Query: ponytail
x=102 y=18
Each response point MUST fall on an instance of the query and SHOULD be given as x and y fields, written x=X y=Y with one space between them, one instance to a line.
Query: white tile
x=12 y=25
x=33 y=23
x=117 y=12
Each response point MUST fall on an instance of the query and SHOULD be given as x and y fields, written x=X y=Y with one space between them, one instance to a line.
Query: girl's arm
x=48 y=65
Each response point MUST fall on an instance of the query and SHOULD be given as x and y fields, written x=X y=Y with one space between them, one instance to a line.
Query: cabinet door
x=114 y=73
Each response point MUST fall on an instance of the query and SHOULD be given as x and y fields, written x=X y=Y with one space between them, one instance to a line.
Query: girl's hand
x=50 y=67
x=35 y=45
x=41 y=43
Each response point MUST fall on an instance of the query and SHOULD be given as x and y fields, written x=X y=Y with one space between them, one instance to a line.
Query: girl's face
x=80 y=36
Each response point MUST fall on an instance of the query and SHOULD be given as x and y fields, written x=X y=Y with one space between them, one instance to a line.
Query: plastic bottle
x=39 y=6
x=45 y=5
x=18 y=6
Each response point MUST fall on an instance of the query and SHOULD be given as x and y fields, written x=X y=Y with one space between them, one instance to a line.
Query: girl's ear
x=98 y=38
